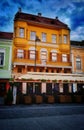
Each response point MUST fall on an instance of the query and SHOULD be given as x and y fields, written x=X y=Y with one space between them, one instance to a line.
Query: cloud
x=70 y=12
x=78 y=34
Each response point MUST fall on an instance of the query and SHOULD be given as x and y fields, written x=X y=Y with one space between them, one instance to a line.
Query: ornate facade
x=50 y=54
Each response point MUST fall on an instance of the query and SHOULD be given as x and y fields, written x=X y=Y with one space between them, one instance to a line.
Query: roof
x=40 y=20
x=6 y=35
x=77 y=43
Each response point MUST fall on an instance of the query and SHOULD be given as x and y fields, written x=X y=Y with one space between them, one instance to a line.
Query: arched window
x=20 y=53
x=32 y=52
x=64 y=58
x=53 y=55
x=43 y=55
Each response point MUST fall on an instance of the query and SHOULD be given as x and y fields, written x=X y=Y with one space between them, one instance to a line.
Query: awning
x=52 y=76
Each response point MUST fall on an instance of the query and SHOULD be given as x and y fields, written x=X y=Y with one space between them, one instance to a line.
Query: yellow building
x=50 y=54
x=77 y=52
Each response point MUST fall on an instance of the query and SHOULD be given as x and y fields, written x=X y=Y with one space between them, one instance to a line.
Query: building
x=41 y=60
x=42 y=56
x=50 y=54
x=77 y=52
x=5 y=59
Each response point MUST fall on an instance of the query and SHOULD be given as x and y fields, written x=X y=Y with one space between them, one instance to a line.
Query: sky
x=71 y=12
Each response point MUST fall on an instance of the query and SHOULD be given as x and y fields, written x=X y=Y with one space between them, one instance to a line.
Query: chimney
x=39 y=14
x=56 y=18
x=19 y=10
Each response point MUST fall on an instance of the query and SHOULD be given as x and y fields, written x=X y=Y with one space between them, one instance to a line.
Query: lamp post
x=36 y=40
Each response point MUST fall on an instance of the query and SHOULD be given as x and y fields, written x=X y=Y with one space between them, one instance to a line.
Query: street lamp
x=36 y=40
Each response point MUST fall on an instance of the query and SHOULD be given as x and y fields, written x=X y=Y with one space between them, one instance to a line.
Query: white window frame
x=43 y=55
x=65 y=39
x=44 y=35
x=54 y=36
x=32 y=35
x=78 y=63
x=2 y=58
x=21 y=32
x=32 y=54
x=54 y=56
x=20 y=53
x=64 y=58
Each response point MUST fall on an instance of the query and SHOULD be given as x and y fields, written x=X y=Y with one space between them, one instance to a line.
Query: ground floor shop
x=44 y=88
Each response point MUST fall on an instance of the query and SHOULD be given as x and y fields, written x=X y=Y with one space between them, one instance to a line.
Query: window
x=64 y=57
x=53 y=38
x=32 y=54
x=32 y=35
x=20 y=53
x=54 y=56
x=21 y=32
x=43 y=56
x=78 y=63
x=43 y=37
x=65 y=39
x=2 y=54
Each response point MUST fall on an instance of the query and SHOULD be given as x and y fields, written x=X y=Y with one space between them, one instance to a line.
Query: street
x=42 y=117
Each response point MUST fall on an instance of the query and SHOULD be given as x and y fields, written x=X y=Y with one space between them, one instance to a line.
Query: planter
x=62 y=99
x=50 y=99
x=27 y=99
x=77 y=98
x=38 y=99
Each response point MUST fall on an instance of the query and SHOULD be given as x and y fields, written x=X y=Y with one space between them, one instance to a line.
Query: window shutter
x=15 y=52
x=28 y=54
x=68 y=58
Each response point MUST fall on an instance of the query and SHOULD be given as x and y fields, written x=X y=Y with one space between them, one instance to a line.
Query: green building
x=5 y=59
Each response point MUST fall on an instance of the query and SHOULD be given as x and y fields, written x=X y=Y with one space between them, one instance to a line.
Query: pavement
x=42 y=117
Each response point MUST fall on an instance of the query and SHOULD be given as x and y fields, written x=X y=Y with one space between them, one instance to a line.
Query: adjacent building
x=5 y=59
x=77 y=54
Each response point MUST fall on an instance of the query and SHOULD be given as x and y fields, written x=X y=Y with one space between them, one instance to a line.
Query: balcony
x=64 y=47
x=20 y=42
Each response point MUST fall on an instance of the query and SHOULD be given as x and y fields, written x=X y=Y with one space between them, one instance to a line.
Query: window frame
x=54 y=38
x=65 y=39
x=32 y=54
x=32 y=35
x=44 y=37
x=78 y=63
x=2 y=59
x=53 y=56
x=21 y=32
x=20 y=53
x=64 y=58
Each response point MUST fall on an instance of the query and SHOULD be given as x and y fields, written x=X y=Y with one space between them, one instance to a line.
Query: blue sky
x=70 y=12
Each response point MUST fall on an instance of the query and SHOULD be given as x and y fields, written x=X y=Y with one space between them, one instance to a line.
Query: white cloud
x=77 y=34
